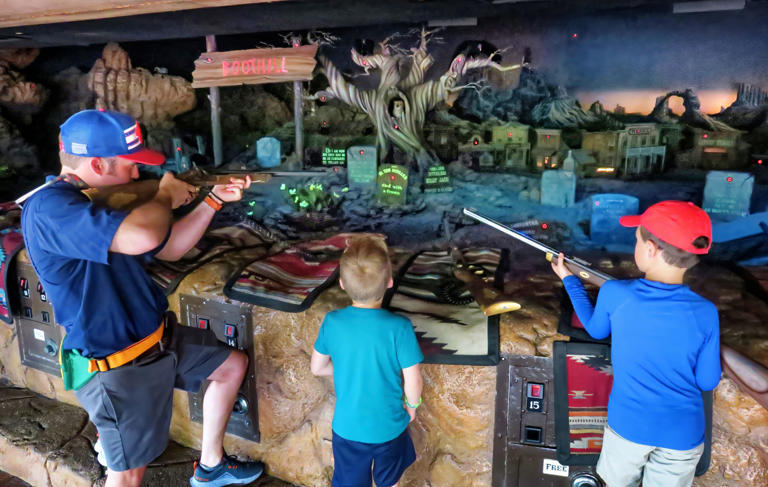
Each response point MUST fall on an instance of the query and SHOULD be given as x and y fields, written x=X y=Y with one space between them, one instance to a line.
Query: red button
x=202 y=323
x=535 y=390
x=229 y=331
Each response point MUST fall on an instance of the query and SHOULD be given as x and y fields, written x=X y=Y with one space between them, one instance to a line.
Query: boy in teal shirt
x=373 y=357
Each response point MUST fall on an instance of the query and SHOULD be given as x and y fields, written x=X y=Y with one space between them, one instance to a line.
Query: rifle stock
x=578 y=267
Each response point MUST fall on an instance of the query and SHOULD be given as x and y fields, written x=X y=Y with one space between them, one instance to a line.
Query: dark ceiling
x=297 y=15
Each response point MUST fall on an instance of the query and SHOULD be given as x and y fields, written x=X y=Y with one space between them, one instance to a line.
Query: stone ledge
x=45 y=443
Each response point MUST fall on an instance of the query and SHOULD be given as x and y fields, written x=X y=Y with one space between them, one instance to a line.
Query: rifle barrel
x=510 y=231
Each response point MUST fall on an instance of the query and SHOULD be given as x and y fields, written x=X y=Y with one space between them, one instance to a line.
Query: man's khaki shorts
x=624 y=463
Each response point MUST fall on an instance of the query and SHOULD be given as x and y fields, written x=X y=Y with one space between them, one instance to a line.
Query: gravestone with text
x=361 y=167
x=558 y=188
x=604 y=225
x=268 y=152
x=437 y=180
x=392 y=184
x=727 y=194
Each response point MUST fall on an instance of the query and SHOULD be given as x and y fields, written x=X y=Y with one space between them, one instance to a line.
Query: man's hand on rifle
x=559 y=267
x=233 y=191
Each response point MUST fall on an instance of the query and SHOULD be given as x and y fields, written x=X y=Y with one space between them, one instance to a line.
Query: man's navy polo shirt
x=104 y=300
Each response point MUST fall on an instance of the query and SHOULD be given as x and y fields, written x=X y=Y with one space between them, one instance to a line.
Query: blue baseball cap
x=102 y=133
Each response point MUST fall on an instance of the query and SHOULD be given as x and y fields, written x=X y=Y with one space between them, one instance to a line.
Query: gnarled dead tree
x=399 y=104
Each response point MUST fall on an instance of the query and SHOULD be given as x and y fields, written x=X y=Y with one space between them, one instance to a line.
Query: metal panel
x=38 y=334
x=524 y=434
x=231 y=324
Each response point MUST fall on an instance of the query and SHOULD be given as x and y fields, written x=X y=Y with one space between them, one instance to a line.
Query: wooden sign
x=254 y=66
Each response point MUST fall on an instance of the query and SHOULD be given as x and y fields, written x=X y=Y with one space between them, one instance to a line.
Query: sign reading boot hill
x=254 y=66
x=437 y=180
x=392 y=184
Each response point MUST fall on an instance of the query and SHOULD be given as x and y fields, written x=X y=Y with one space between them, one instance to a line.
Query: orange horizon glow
x=643 y=101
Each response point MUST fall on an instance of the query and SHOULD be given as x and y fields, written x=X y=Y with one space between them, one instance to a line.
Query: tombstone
x=334 y=157
x=361 y=167
x=604 y=225
x=558 y=188
x=392 y=184
x=727 y=194
x=437 y=180
x=485 y=162
x=569 y=164
x=268 y=152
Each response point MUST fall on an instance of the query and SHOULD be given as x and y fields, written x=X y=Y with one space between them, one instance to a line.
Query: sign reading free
x=254 y=66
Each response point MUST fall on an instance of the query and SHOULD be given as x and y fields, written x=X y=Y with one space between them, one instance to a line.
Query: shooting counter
x=474 y=427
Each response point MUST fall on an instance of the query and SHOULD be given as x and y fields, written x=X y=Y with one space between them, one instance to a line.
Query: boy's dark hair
x=673 y=255
x=365 y=269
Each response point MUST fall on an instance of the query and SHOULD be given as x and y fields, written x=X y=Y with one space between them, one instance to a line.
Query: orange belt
x=127 y=354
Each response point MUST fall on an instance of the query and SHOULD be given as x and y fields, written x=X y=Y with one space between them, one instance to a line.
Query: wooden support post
x=218 y=156
x=298 y=118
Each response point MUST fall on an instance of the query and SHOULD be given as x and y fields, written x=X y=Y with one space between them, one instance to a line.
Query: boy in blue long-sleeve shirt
x=665 y=348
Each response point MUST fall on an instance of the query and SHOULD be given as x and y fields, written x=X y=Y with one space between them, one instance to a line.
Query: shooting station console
x=524 y=428
x=38 y=333
x=231 y=324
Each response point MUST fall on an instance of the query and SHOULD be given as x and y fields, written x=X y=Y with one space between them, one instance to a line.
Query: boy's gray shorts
x=131 y=405
x=624 y=463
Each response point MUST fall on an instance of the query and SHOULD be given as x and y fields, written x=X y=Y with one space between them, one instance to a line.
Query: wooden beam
x=17 y=13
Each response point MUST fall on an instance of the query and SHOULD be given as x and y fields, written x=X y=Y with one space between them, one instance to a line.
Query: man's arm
x=412 y=385
x=186 y=232
x=146 y=226
x=320 y=364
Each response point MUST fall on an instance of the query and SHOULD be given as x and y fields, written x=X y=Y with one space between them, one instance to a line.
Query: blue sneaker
x=228 y=472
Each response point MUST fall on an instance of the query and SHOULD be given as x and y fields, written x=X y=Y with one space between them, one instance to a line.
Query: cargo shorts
x=131 y=405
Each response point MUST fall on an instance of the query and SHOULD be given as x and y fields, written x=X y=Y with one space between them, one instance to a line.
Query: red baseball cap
x=677 y=223
x=102 y=133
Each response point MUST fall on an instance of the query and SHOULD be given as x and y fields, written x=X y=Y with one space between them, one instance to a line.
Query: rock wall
x=153 y=99
x=454 y=427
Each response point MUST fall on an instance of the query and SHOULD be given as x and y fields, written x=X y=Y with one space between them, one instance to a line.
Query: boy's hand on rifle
x=233 y=191
x=559 y=267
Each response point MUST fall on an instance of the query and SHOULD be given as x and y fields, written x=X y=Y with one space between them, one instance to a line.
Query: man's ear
x=341 y=283
x=97 y=165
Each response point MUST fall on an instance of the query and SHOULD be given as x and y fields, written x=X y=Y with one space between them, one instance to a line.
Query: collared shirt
x=104 y=300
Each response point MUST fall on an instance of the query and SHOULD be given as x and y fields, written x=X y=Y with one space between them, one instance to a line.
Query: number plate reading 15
x=535 y=405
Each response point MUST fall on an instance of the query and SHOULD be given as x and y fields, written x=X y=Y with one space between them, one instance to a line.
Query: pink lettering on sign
x=254 y=66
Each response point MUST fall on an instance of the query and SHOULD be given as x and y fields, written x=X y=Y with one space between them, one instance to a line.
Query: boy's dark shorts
x=131 y=405
x=353 y=459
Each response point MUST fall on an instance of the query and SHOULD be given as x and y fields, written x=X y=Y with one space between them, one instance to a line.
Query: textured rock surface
x=153 y=99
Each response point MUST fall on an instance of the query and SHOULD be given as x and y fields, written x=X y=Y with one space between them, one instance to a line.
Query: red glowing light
x=597 y=203
x=759 y=161
x=208 y=60
x=547 y=137
x=322 y=98
x=729 y=179
x=365 y=63
x=392 y=177
x=544 y=226
x=362 y=152
x=178 y=149
x=705 y=136
x=325 y=124
x=509 y=134
x=475 y=142
x=574 y=36
x=396 y=127
x=295 y=44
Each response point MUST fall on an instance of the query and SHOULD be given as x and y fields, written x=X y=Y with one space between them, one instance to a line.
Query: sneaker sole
x=218 y=482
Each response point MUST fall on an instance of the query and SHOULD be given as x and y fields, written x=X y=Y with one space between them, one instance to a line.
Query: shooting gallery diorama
x=479 y=138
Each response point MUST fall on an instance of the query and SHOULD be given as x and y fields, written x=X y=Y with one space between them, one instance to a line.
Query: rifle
x=480 y=284
x=130 y=195
x=577 y=266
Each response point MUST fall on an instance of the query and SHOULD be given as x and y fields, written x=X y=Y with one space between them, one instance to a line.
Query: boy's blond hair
x=366 y=269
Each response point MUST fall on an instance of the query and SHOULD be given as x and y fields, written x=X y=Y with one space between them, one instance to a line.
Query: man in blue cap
x=120 y=353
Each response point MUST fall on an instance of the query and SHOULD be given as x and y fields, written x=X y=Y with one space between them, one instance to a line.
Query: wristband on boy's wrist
x=412 y=406
x=216 y=197
x=212 y=203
